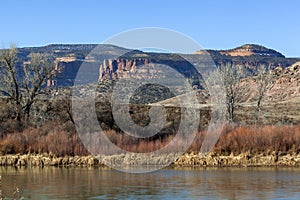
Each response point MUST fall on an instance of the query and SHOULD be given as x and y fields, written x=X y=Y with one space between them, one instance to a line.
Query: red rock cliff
x=119 y=68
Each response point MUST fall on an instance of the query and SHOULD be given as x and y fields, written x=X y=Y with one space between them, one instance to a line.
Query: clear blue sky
x=213 y=24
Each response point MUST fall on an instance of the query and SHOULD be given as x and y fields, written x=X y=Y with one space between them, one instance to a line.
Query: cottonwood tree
x=264 y=82
x=23 y=84
x=231 y=77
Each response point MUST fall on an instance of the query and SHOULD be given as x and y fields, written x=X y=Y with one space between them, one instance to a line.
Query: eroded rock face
x=119 y=68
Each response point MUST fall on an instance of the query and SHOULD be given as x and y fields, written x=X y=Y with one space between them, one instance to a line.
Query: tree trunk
x=258 y=108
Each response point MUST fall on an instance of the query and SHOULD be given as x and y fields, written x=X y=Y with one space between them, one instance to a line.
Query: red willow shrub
x=57 y=142
x=257 y=139
x=234 y=139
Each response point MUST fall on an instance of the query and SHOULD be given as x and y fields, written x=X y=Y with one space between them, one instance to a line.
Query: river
x=95 y=183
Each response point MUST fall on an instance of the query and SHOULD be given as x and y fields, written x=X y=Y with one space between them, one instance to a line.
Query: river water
x=210 y=183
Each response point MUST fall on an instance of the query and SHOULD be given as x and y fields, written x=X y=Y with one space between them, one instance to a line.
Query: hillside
x=105 y=63
x=246 y=50
x=285 y=85
x=280 y=104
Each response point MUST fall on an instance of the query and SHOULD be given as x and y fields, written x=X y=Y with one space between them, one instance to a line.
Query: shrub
x=234 y=139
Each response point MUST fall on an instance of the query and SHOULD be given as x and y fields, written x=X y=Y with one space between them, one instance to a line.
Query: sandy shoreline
x=185 y=160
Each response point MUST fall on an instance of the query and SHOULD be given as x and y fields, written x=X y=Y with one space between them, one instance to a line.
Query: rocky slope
x=284 y=84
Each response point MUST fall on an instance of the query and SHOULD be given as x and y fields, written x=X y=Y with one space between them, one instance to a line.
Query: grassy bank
x=246 y=159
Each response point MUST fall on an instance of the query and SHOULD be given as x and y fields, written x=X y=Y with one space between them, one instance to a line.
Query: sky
x=214 y=24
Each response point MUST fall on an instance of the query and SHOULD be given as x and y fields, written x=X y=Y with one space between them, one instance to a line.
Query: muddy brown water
x=95 y=183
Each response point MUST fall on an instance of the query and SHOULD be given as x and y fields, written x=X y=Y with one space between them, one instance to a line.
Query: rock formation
x=119 y=68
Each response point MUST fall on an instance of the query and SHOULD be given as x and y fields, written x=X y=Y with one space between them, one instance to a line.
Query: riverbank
x=241 y=160
x=185 y=160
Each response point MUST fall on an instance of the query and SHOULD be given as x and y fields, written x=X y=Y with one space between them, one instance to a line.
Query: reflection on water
x=83 y=183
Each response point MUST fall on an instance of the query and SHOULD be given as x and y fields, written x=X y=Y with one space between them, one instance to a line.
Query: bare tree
x=264 y=82
x=23 y=84
x=231 y=77
x=10 y=85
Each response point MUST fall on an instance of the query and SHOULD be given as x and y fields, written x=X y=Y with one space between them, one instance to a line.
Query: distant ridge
x=246 y=50
x=84 y=49
x=106 y=62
